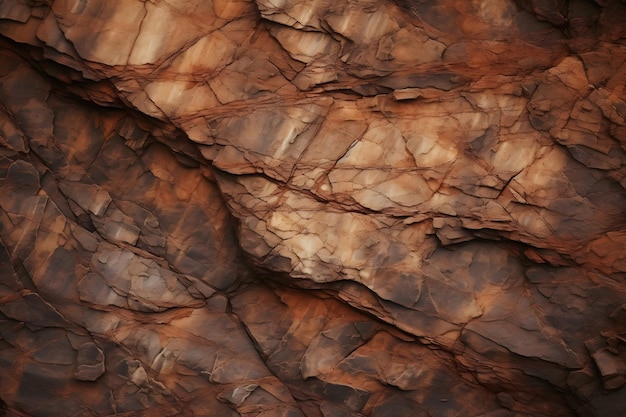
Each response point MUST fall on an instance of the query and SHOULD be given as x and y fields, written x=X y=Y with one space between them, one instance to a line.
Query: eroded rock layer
x=313 y=208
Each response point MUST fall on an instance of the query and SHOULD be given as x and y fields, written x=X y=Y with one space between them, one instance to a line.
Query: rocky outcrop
x=313 y=208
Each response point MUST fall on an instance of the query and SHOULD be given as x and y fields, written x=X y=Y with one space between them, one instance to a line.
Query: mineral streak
x=284 y=208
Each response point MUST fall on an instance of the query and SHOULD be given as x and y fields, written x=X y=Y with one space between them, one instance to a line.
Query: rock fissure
x=290 y=208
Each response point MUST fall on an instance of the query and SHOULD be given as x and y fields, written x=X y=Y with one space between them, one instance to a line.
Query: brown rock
x=89 y=363
x=312 y=208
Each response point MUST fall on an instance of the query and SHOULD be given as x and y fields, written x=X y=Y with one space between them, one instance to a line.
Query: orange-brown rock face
x=288 y=208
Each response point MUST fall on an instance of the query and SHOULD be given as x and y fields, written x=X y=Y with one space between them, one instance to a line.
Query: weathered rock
x=89 y=363
x=313 y=208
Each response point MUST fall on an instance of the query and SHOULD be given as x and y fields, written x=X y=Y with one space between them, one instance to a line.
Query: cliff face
x=313 y=208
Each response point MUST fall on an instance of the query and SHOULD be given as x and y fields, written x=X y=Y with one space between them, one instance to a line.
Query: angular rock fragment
x=89 y=363
x=312 y=208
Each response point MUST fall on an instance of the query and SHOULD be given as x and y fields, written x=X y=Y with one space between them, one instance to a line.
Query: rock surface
x=313 y=208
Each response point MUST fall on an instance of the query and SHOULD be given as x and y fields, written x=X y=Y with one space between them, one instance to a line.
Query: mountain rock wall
x=284 y=208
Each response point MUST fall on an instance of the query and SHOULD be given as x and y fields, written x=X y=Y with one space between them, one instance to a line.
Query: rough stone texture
x=311 y=208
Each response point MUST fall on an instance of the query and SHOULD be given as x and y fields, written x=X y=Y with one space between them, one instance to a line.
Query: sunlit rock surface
x=313 y=208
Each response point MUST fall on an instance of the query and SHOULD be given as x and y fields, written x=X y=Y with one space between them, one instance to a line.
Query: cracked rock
x=289 y=208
